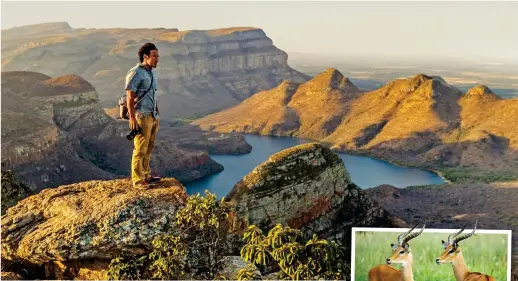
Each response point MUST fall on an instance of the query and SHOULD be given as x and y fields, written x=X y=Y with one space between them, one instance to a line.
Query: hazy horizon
x=481 y=31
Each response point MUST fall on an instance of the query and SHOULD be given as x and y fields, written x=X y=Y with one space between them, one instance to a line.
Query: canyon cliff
x=55 y=132
x=200 y=71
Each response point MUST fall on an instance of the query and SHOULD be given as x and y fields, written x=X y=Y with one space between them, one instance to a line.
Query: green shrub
x=126 y=268
x=297 y=258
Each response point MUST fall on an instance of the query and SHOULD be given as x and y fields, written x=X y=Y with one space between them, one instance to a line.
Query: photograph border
x=433 y=230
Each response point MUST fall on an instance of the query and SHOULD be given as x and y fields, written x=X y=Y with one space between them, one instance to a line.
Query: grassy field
x=485 y=253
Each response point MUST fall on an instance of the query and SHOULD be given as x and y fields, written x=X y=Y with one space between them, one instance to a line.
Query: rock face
x=419 y=121
x=35 y=146
x=89 y=220
x=12 y=190
x=55 y=132
x=305 y=187
x=199 y=71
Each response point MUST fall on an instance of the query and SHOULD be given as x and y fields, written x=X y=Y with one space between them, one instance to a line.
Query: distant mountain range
x=419 y=121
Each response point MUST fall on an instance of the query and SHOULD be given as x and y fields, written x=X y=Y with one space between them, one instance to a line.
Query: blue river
x=365 y=172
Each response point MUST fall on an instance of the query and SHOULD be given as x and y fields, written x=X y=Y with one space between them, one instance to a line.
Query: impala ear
x=394 y=247
x=407 y=247
x=444 y=244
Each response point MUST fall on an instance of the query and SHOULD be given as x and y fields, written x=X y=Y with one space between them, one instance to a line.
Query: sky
x=462 y=30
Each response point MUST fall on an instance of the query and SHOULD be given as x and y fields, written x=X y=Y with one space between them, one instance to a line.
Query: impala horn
x=457 y=233
x=465 y=236
x=413 y=235
x=399 y=242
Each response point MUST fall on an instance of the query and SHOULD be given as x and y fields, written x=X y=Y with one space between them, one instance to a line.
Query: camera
x=133 y=133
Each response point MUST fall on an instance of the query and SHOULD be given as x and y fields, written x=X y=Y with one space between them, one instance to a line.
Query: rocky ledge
x=91 y=220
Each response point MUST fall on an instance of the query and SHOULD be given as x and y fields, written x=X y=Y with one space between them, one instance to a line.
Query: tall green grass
x=485 y=253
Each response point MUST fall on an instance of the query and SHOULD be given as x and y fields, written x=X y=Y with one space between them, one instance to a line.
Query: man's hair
x=146 y=50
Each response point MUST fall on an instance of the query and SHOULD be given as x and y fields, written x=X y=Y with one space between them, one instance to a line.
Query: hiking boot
x=144 y=185
x=153 y=179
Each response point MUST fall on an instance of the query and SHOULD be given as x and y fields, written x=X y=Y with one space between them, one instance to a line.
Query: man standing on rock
x=141 y=83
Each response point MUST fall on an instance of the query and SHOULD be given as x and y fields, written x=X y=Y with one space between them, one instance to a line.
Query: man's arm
x=132 y=80
x=130 y=101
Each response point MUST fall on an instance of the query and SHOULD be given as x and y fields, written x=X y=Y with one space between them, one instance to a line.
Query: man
x=141 y=82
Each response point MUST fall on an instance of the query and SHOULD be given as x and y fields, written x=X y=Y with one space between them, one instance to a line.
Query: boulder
x=89 y=220
x=305 y=187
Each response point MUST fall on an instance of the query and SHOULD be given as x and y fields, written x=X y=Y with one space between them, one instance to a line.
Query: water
x=365 y=172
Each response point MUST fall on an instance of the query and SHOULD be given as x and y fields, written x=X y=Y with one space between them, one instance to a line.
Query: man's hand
x=133 y=125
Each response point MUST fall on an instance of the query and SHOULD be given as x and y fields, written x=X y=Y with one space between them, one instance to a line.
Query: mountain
x=199 y=71
x=54 y=131
x=312 y=109
x=419 y=121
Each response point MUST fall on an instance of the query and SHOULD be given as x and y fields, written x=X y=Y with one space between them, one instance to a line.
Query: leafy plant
x=126 y=268
x=168 y=257
x=297 y=258
x=203 y=228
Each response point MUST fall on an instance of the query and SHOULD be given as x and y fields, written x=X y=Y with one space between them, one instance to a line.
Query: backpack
x=123 y=107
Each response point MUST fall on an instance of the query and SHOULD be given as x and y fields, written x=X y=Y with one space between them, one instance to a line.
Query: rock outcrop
x=55 y=132
x=199 y=71
x=305 y=187
x=420 y=121
x=94 y=220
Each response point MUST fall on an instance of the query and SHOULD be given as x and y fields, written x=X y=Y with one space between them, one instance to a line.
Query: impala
x=453 y=254
x=401 y=255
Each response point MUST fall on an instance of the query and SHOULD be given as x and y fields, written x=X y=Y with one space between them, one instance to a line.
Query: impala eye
x=402 y=252
x=451 y=251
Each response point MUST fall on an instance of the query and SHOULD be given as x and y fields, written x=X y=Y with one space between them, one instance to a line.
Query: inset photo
x=420 y=253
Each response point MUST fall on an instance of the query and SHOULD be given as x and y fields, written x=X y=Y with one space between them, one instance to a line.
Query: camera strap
x=141 y=97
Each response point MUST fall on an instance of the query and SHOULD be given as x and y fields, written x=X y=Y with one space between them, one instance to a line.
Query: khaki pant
x=143 y=146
